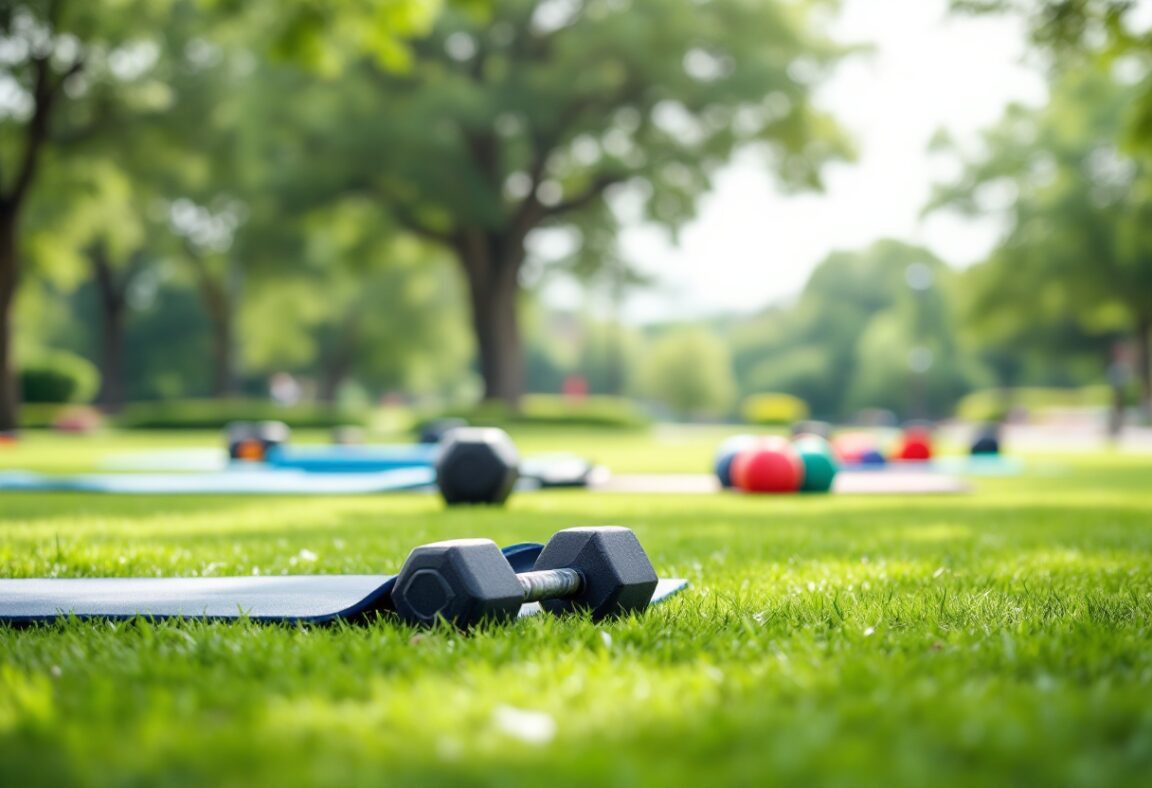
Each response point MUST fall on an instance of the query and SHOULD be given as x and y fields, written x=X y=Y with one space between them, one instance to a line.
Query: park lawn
x=1001 y=638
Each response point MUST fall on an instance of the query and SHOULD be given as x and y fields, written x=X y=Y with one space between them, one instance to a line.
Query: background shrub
x=58 y=377
x=772 y=409
x=215 y=414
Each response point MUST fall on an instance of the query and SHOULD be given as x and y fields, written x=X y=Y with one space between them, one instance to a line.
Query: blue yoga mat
x=352 y=459
x=241 y=481
x=293 y=598
x=316 y=459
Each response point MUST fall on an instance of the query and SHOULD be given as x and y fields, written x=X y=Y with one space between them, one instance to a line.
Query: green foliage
x=773 y=409
x=859 y=326
x=58 y=377
x=392 y=316
x=1075 y=34
x=529 y=116
x=997 y=404
x=40 y=415
x=690 y=372
x=215 y=414
x=1079 y=249
x=541 y=410
x=985 y=637
x=583 y=97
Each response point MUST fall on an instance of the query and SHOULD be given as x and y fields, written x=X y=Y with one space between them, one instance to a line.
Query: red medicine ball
x=916 y=446
x=772 y=466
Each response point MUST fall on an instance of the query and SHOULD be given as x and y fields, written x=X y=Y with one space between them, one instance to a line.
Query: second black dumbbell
x=602 y=570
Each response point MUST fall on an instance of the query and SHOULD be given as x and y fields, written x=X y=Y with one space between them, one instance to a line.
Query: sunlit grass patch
x=997 y=638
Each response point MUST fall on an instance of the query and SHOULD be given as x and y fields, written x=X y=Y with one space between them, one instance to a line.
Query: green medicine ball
x=819 y=463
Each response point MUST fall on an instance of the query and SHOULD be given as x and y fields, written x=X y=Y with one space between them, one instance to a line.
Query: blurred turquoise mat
x=317 y=459
x=991 y=465
x=238 y=481
x=293 y=598
x=960 y=465
x=544 y=470
x=353 y=459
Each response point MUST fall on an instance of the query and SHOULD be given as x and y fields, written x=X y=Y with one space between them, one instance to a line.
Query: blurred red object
x=576 y=387
x=916 y=445
x=850 y=447
x=771 y=466
x=78 y=420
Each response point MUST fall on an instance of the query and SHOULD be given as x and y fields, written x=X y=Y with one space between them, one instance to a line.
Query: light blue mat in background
x=238 y=481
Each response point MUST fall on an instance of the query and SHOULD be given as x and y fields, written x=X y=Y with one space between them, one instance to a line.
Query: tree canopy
x=531 y=116
x=1079 y=245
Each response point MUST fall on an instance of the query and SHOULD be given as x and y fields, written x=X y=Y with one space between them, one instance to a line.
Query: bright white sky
x=751 y=246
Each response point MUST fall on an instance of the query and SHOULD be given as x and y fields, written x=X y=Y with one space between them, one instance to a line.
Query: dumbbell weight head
x=477 y=465
x=618 y=577
x=463 y=581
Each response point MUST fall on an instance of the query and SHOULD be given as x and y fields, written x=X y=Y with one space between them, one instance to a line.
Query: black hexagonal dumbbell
x=477 y=465
x=466 y=581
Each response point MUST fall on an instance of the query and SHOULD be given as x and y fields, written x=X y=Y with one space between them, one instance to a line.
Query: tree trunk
x=219 y=309
x=112 y=360
x=331 y=379
x=9 y=282
x=494 y=290
x=338 y=354
x=222 y=380
x=114 y=307
x=217 y=301
x=1144 y=365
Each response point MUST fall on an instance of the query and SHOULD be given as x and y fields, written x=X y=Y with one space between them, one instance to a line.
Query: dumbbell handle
x=550 y=584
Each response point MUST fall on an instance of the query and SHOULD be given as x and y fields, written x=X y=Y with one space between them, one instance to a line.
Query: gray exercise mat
x=291 y=598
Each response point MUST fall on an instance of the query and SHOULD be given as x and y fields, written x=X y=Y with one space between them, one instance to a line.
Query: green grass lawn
x=1002 y=638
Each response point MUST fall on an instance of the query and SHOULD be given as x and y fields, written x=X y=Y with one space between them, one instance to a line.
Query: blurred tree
x=1074 y=32
x=390 y=315
x=872 y=328
x=1080 y=215
x=528 y=117
x=690 y=371
x=101 y=225
x=73 y=72
x=609 y=356
x=65 y=64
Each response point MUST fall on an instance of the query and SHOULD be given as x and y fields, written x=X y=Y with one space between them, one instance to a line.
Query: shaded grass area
x=1000 y=638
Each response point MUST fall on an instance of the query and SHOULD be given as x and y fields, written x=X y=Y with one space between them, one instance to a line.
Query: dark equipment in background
x=251 y=441
x=477 y=465
x=987 y=442
x=436 y=430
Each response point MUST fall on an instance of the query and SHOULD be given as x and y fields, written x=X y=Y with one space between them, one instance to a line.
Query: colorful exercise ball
x=916 y=445
x=850 y=447
x=771 y=466
x=727 y=453
x=820 y=465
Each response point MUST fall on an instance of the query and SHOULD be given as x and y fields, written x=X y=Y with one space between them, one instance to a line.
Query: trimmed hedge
x=215 y=414
x=39 y=415
x=59 y=377
x=772 y=409
x=553 y=411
